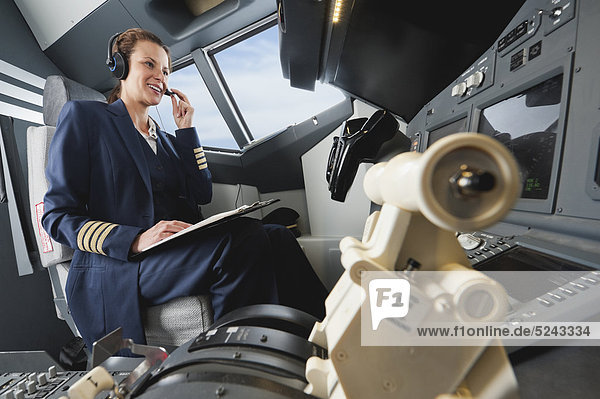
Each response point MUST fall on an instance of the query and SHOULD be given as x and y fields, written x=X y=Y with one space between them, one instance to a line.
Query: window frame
x=204 y=59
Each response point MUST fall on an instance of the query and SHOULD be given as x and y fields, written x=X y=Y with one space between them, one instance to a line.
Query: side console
x=535 y=90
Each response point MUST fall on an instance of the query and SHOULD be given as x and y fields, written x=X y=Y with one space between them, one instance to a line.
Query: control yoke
x=463 y=182
x=359 y=141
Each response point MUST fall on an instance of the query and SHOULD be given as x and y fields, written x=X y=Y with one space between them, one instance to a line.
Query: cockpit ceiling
x=65 y=15
x=74 y=33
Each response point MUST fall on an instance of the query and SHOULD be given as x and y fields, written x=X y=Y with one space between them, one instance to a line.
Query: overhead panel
x=50 y=19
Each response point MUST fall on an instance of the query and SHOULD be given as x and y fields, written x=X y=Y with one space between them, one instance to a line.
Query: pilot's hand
x=154 y=234
x=183 y=112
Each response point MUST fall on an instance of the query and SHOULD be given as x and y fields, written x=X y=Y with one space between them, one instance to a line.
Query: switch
x=475 y=80
x=42 y=380
x=20 y=394
x=52 y=372
x=9 y=395
x=459 y=90
x=31 y=387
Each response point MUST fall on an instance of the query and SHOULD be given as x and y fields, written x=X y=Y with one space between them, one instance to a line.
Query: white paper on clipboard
x=212 y=221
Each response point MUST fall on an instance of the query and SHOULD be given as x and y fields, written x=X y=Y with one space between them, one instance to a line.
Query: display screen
x=527 y=124
x=446 y=130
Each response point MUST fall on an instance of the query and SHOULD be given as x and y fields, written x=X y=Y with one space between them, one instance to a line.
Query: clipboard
x=209 y=222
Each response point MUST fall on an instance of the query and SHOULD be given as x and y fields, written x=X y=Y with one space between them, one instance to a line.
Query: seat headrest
x=58 y=90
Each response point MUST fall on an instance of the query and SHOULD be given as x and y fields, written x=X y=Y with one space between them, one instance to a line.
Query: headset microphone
x=116 y=62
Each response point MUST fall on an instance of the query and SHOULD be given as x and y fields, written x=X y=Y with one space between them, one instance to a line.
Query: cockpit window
x=267 y=102
x=209 y=123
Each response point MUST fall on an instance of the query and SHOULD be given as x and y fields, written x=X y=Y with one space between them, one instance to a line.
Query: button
x=475 y=80
x=459 y=90
x=577 y=285
x=9 y=395
x=52 y=372
x=567 y=291
x=470 y=256
x=20 y=394
x=502 y=44
x=42 y=380
x=590 y=280
x=477 y=253
x=31 y=387
x=556 y=297
x=492 y=246
x=511 y=36
x=485 y=249
x=545 y=302
x=521 y=29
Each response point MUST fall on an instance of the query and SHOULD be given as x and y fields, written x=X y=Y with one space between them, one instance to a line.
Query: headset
x=116 y=62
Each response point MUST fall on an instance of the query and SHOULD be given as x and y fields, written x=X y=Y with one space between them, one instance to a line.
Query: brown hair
x=125 y=44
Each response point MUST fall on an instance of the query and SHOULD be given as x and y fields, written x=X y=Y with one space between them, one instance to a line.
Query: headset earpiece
x=116 y=62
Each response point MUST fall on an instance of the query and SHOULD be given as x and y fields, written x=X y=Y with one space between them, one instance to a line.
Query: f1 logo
x=388 y=298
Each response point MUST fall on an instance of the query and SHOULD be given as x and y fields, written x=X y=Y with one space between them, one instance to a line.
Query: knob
x=459 y=90
x=31 y=387
x=468 y=241
x=52 y=372
x=475 y=80
x=42 y=380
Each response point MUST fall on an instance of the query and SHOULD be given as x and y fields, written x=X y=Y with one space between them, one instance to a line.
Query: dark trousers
x=239 y=263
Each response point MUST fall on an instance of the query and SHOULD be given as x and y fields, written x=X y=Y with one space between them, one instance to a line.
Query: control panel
x=540 y=286
x=51 y=384
x=476 y=78
x=481 y=246
x=519 y=34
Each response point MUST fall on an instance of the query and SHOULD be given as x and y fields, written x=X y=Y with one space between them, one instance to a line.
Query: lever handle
x=91 y=384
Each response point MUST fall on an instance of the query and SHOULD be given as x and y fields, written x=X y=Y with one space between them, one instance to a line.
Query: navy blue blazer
x=100 y=198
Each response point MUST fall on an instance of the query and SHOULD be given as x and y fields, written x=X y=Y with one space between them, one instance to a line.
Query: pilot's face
x=148 y=73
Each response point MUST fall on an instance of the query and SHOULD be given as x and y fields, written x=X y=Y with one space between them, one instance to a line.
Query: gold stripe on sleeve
x=200 y=155
x=103 y=237
x=94 y=239
x=198 y=150
x=87 y=237
x=81 y=233
x=203 y=166
x=201 y=161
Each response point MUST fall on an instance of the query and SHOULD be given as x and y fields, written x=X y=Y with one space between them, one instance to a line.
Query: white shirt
x=151 y=137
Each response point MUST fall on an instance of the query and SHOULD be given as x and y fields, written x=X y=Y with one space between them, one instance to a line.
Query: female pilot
x=117 y=184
